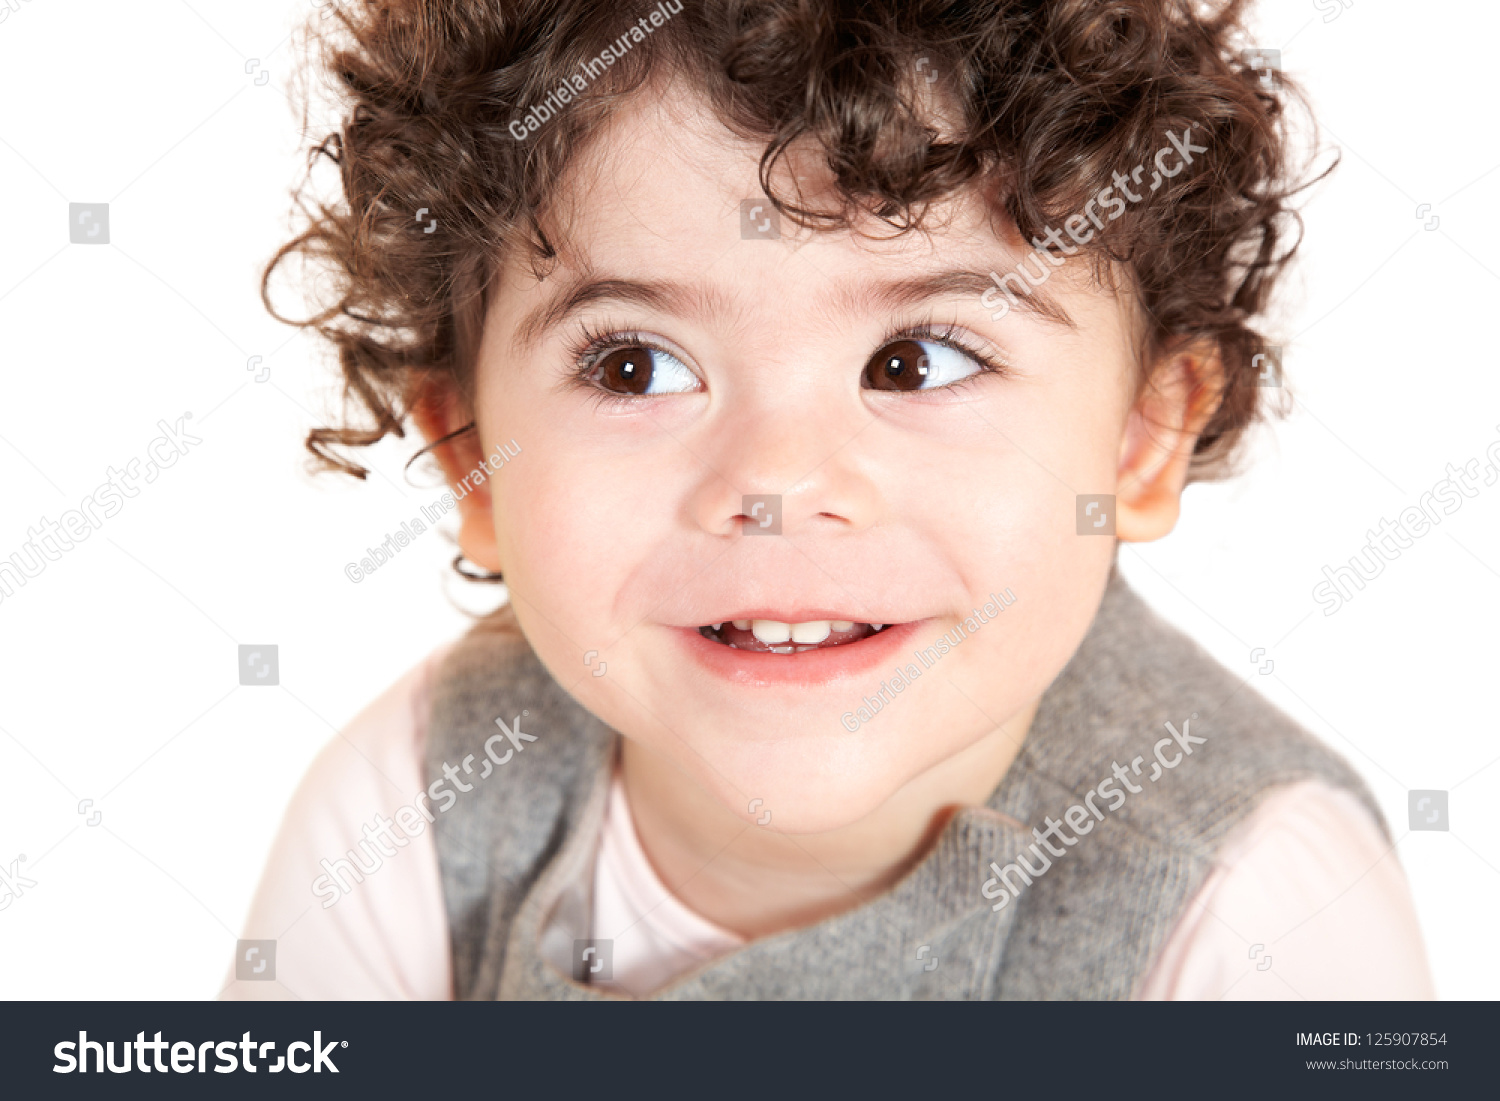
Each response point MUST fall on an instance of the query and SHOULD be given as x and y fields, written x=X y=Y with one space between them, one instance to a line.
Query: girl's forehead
x=665 y=164
x=660 y=185
x=666 y=195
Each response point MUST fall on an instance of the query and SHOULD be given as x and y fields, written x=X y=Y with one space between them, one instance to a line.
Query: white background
x=118 y=663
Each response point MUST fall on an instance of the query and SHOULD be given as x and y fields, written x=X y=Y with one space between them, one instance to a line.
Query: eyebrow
x=908 y=292
x=685 y=299
x=666 y=297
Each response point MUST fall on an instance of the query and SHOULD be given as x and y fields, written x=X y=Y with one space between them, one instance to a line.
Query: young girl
x=799 y=365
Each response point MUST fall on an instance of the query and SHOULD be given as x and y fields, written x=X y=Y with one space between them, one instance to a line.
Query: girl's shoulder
x=1307 y=899
x=354 y=905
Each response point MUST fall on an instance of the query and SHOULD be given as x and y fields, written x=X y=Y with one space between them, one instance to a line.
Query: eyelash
x=590 y=345
x=949 y=336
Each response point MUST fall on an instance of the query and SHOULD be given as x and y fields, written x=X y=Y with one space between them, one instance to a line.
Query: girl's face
x=912 y=457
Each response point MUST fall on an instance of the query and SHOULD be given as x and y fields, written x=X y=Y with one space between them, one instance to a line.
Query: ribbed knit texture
x=1088 y=927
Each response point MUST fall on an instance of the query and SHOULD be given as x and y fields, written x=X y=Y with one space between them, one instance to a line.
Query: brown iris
x=625 y=371
x=900 y=365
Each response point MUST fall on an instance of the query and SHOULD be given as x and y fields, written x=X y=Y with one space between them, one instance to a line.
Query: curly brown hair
x=1043 y=101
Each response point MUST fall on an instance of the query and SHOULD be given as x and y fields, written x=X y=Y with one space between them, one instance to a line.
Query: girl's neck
x=756 y=882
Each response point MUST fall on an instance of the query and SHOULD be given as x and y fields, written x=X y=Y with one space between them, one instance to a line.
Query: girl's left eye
x=908 y=365
x=642 y=371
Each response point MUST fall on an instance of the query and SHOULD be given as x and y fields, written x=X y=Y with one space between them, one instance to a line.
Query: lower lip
x=810 y=668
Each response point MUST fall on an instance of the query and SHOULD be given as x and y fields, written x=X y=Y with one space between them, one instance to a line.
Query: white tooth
x=811 y=632
x=877 y=626
x=742 y=624
x=841 y=624
x=717 y=626
x=771 y=631
x=783 y=649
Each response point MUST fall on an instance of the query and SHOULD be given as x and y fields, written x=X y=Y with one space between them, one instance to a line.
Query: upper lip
x=794 y=616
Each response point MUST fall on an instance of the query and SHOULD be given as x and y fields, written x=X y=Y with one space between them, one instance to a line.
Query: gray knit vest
x=513 y=849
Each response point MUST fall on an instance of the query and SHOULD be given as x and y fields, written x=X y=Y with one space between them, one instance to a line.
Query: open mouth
x=772 y=636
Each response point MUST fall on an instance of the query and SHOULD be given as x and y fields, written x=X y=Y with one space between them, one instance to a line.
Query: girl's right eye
x=642 y=372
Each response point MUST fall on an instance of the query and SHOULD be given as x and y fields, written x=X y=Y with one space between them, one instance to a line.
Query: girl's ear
x=1173 y=407
x=438 y=411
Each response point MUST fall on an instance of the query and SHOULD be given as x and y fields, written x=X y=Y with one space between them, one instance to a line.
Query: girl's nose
x=787 y=472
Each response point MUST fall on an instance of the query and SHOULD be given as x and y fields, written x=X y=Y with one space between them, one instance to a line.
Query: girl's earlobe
x=1161 y=433
x=458 y=451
